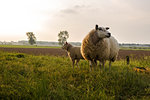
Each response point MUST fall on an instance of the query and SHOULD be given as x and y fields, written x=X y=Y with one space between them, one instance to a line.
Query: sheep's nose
x=109 y=34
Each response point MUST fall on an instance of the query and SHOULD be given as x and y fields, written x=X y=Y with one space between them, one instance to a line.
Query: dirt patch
x=137 y=54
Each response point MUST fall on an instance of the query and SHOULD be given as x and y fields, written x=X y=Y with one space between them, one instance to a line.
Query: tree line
x=62 y=37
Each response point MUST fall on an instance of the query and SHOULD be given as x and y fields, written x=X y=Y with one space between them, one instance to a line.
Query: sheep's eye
x=107 y=28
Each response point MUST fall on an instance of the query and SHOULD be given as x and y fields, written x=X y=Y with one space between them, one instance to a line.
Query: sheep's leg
x=109 y=65
x=100 y=65
x=103 y=64
x=90 y=65
x=95 y=62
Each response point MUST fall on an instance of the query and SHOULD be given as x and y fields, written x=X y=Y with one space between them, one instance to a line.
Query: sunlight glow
x=20 y=16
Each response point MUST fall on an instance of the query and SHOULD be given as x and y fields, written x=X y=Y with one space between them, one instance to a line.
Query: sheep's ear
x=96 y=27
x=107 y=28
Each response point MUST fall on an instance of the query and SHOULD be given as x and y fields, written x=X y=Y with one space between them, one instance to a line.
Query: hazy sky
x=129 y=20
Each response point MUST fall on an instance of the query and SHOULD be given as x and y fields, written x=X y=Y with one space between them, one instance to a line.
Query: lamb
x=73 y=53
x=99 y=45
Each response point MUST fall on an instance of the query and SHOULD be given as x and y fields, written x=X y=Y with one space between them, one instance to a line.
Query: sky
x=129 y=20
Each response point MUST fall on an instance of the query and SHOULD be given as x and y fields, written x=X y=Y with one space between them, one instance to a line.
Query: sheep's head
x=102 y=32
x=66 y=46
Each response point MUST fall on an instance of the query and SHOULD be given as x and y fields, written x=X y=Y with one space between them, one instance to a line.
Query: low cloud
x=69 y=11
x=73 y=10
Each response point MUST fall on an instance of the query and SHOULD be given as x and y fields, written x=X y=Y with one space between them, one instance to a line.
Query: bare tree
x=62 y=37
x=31 y=37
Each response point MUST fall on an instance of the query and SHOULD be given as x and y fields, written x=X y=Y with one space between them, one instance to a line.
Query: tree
x=31 y=37
x=62 y=37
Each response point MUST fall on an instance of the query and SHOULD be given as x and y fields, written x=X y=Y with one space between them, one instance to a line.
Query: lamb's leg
x=77 y=62
x=73 y=61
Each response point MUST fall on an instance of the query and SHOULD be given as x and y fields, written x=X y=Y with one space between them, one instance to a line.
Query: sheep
x=73 y=53
x=99 y=45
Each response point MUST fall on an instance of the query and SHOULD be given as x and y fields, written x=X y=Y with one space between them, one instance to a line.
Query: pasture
x=40 y=77
x=47 y=73
x=135 y=48
x=57 y=51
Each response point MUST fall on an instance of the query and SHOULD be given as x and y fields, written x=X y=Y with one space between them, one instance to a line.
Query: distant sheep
x=99 y=45
x=73 y=53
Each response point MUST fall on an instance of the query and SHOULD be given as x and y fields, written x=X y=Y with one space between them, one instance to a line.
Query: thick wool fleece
x=93 y=48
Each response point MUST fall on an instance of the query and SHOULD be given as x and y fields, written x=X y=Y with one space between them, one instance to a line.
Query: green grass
x=25 y=76
x=27 y=46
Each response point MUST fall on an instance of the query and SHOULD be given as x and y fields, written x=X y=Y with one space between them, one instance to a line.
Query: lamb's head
x=66 y=46
x=102 y=32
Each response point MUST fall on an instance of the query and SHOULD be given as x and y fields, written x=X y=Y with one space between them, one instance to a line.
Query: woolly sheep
x=73 y=53
x=99 y=45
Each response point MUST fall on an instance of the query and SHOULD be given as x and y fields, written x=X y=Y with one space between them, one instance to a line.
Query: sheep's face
x=102 y=32
x=66 y=46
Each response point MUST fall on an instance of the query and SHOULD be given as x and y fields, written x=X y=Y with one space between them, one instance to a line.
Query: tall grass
x=25 y=76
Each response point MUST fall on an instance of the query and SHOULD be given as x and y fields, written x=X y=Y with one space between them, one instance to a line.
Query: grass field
x=25 y=76
x=27 y=46
x=34 y=46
